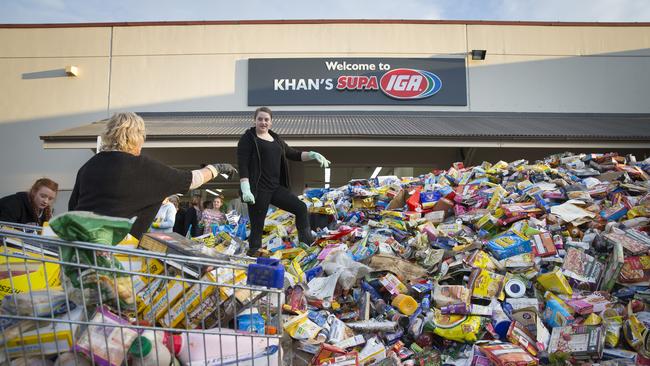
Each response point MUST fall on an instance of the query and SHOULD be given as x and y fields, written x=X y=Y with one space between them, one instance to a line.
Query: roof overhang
x=383 y=129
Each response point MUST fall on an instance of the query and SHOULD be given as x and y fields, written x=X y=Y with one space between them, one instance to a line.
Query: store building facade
x=404 y=95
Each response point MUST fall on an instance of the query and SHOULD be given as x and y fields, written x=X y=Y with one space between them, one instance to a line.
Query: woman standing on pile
x=120 y=182
x=33 y=207
x=264 y=171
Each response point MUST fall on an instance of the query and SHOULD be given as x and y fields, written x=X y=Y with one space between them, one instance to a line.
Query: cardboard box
x=164 y=300
x=582 y=342
x=196 y=294
x=27 y=272
x=173 y=243
x=543 y=245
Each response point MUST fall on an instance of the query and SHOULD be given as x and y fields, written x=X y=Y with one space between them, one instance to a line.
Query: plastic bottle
x=228 y=346
x=148 y=349
x=405 y=303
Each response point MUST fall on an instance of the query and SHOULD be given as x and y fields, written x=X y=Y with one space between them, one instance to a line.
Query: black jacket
x=115 y=183
x=249 y=159
x=17 y=208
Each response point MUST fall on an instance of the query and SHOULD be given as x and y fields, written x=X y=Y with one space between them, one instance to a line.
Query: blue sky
x=80 y=11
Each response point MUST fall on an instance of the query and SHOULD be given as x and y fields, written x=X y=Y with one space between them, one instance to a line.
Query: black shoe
x=305 y=236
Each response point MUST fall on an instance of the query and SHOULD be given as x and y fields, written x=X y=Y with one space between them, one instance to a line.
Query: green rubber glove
x=246 y=194
x=324 y=163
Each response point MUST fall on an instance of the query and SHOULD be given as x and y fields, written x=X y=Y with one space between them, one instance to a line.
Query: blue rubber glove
x=247 y=195
x=324 y=163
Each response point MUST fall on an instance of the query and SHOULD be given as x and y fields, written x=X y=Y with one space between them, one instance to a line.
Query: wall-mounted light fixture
x=478 y=54
x=72 y=70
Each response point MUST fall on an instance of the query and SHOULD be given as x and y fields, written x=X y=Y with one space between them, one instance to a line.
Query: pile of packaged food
x=499 y=264
x=544 y=263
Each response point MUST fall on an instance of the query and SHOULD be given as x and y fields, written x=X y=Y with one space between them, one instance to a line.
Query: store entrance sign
x=357 y=81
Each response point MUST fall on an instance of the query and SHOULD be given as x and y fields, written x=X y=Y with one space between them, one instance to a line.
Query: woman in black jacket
x=33 y=207
x=121 y=182
x=264 y=171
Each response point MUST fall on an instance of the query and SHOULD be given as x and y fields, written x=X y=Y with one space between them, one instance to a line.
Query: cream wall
x=203 y=67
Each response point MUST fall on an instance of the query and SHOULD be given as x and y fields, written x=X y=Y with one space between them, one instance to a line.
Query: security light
x=478 y=54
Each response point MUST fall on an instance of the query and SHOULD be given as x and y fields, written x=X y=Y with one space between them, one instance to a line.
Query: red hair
x=43 y=182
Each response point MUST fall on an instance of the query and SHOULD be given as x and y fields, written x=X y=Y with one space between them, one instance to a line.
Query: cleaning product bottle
x=225 y=346
x=148 y=349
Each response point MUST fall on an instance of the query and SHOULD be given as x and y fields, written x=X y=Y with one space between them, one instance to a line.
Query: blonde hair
x=124 y=132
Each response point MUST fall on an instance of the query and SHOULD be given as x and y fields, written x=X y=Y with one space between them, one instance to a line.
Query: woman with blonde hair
x=33 y=207
x=120 y=182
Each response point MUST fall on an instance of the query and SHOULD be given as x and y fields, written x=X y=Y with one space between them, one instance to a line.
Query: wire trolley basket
x=79 y=303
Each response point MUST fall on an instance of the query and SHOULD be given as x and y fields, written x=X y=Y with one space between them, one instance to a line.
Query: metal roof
x=385 y=125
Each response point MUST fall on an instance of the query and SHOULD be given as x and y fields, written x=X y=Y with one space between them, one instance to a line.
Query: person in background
x=181 y=215
x=213 y=216
x=206 y=205
x=33 y=207
x=166 y=216
x=237 y=205
x=120 y=182
x=263 y=160
x=193 y=216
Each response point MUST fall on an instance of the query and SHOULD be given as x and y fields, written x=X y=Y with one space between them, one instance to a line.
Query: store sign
x=357 y=81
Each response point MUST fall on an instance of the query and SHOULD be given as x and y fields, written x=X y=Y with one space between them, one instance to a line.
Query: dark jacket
x=18 y=208
x=249 y=159
x=118 y=184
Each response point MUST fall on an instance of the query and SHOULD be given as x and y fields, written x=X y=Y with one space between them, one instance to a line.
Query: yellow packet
x=480 y=259
x=459 y=328
x=486 y=284
x=190 y=300
x=292 y=253
x=638 y=211
x=556 y=282
x=613 y=323
x=301 y=328
x=295 y=269
x=497 y=196
x=592 y=319
x=164 y=300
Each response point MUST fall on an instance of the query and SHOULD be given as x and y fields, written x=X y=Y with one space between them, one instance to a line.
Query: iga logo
x=410 y=84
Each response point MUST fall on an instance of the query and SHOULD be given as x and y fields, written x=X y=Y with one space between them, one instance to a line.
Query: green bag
x=103 y=230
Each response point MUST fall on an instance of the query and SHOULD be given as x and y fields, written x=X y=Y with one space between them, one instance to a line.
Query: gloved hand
x=225 y=168
x=156 y=223
x=246 y=194
x=324 y=163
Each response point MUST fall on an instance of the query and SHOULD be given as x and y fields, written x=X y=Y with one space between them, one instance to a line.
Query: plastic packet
x=92 y=228
x=450 y=294
x=486 y=284
x=460 y=328
x=301 y=328
x=107 y=342
x=41 y=303
x=350 y=270
x=613 y=323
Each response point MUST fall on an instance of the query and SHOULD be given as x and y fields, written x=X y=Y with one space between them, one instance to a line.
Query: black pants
x=281 y=198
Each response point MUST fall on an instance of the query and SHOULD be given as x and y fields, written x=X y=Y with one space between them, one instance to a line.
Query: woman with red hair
x=33 y=207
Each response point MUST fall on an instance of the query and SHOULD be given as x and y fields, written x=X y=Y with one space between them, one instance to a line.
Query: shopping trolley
x=94 y=304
